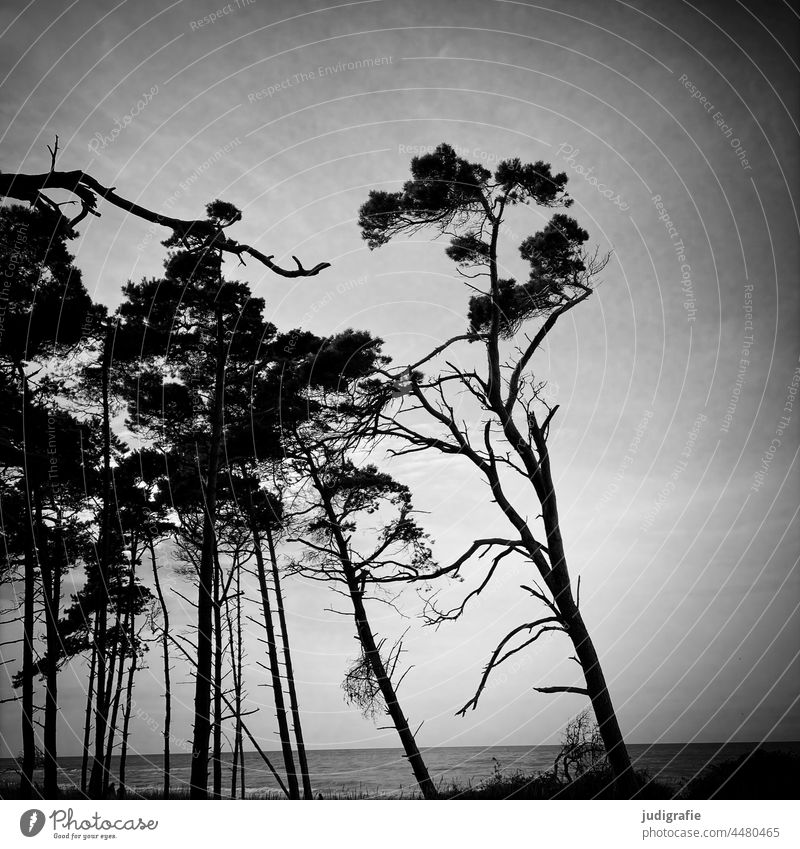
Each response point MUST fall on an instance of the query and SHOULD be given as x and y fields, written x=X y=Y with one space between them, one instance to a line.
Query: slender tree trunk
x=217 y=744
x=237 y=696
x=97 y=778
x=367 y=640
x=287 y=655
x=126 y=646
x=236 y=671
x=126 y=720
x=205 y=598
x=28 y=734
x=53 y=566
x=112 y=725
x=241 y=762
x=51 y=590
x=165 y=652
x=272 y=651
x=28 y=765
x=277 y=686
x=112 y=696
x=239 y=664
x=87 y=721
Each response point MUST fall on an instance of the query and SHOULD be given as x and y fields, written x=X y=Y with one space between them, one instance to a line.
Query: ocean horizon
x=384 y=772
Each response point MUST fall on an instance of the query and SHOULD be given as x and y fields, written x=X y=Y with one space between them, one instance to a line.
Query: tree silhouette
x=509 y=435
x=45 y=304
x=319 y=415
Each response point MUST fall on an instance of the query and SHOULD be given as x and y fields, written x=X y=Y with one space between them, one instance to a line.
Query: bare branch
x=580 y=691
x=29 y=188
x=494 y=662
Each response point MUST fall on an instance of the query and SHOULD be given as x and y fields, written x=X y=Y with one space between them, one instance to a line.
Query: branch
x=456 y=565
x=455 y=612
x=29 y=188
x=578 y=690
x=537 y=340
x=494 y=662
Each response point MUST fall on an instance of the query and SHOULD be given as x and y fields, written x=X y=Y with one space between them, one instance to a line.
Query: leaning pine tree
x=356 y=524
x=508 y=436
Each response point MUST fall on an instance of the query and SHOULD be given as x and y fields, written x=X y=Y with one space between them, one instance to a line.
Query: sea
x=385 y=773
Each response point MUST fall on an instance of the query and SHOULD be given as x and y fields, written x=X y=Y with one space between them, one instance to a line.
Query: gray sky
x=688 y=561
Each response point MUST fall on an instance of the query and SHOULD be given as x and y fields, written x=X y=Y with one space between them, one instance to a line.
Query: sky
x=675 y=447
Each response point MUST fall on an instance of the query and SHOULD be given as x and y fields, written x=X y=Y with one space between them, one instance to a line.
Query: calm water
x=384 y=772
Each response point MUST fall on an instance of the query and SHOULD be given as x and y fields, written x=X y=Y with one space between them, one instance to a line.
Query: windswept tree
x=356 y=523
x=509 y=431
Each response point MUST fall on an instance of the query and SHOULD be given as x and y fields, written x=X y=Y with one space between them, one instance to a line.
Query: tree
x=313 y=395
x=41 y=254
x=509 y=434
x=45 y=303
x=140 y=487
x=200 y=338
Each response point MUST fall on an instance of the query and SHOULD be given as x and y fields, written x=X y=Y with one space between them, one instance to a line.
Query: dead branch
x=203 y=233
x=578 y=690
x=543 y=627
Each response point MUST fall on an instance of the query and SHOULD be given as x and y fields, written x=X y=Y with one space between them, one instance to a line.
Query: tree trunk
x=239 y=663
x=112 y=725
x=28 y=765
x=87 y=721
x=626 y=784
x=241 y=761
x=97 y=778
x=123 y=755
x=557 y=576
x=287 y=655
x=236 y=671
x=367 y=639
x=53 y=566
x=165 y=652
x=51 y=590
x=126 y=643
x=217 y=746
x=237 y=696
x=272 y=650
x=205 y=599
x=28 y=735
